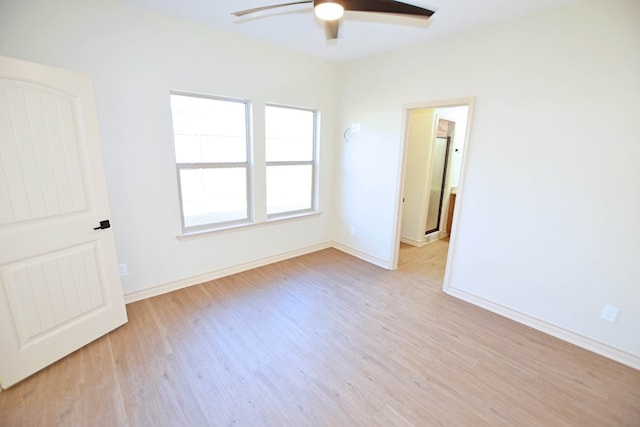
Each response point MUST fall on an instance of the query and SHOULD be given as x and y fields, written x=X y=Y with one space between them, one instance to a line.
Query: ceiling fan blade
x=273 y=6
x=331 y=29
x=387 y=6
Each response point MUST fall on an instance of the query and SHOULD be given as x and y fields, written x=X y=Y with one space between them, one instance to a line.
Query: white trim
x=363 y=256
x=590 y=344
x=435 y=236
x=246 y=225
x=247 y=164
x=426 y=241
x=605 y=350
x=413 y=242
x=217 y=274
x=453 y=236
x=313 y=162
x=458 y=102
x=401 y=178
x=201 y=278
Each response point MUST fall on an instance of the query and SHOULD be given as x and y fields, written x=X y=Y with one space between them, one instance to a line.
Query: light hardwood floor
x=325 y=340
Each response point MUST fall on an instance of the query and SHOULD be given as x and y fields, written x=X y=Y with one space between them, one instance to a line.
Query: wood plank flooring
x=325 y=340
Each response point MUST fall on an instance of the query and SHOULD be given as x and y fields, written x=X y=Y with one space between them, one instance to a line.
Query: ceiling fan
x=330 y=11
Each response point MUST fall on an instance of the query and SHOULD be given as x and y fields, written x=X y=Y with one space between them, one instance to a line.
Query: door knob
x=103 y=224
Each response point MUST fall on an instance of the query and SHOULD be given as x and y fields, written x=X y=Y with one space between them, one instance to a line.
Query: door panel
x=42 y=170
x=59 y=282
x=48 y=291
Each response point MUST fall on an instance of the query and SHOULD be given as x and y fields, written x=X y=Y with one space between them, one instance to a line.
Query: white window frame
x=219 y=165
x=313 y=163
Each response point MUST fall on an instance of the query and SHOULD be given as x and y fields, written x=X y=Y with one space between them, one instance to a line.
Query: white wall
x=135 y=58
x=548 y=223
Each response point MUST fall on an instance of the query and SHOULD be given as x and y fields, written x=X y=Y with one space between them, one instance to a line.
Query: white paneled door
x=59 y=282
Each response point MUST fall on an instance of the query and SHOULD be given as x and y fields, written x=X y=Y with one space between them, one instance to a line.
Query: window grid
x=203 y=166
x=293 y=163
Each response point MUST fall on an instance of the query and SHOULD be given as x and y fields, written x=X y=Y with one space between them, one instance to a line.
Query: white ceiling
x=361 y=34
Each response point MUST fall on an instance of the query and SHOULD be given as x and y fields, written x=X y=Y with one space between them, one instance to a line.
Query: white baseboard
x=201 y=278
x=433 y=237
x=196 y=280
x=413 y=242
x=423 y=243
x=363 y=256
x=605 y=350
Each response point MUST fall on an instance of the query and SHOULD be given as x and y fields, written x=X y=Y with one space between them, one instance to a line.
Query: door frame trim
x=457 y=102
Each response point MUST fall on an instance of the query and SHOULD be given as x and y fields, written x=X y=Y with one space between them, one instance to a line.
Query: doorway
x=435 y=142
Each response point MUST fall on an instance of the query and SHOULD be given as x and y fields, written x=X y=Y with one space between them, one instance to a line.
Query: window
x=211 y=144
x=290 y=158
x=220 y=176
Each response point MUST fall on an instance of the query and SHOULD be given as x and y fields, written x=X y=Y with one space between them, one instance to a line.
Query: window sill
x=245 y=226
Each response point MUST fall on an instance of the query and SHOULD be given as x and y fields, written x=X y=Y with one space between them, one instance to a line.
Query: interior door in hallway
x=59 y=282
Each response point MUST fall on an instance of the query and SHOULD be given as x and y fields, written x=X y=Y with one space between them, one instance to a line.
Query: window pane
x=289 y=134
x=213 y=195
x=209 y=130
x=289 y=188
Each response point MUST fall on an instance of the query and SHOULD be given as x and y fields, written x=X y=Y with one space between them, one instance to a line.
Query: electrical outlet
x=353 y=230
x=124 y=270
x=609 y=313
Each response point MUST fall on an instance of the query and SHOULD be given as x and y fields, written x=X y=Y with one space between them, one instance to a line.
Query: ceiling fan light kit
x=330 y=11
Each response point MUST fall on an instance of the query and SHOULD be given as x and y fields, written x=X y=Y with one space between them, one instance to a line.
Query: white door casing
x=59 y=282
